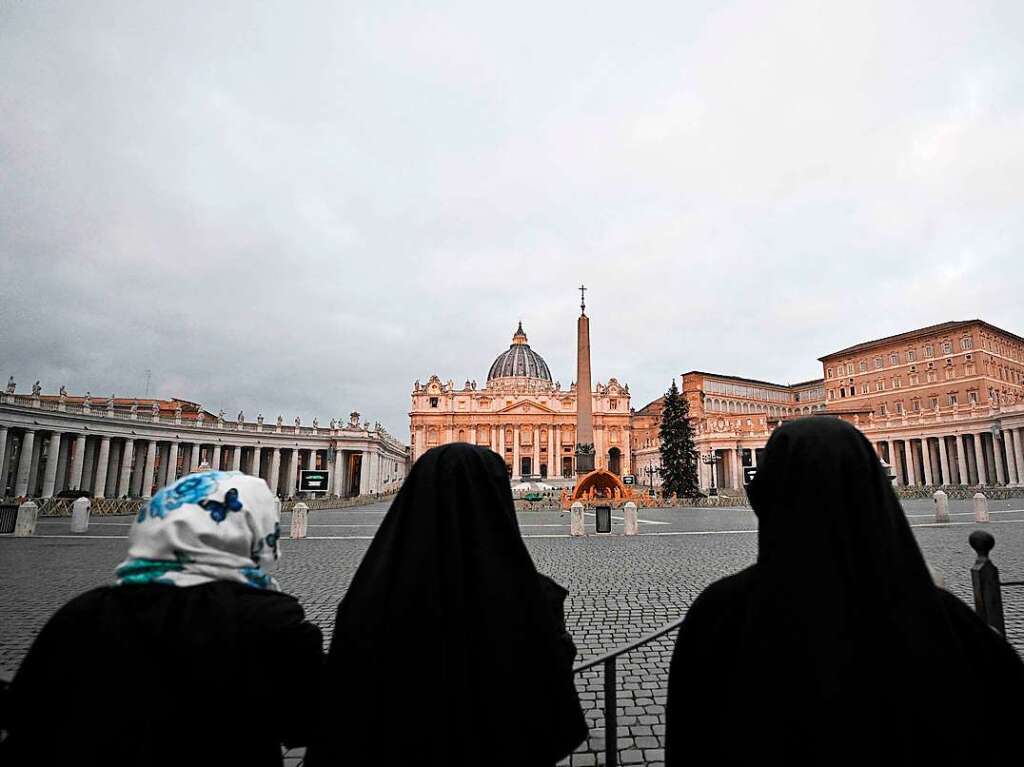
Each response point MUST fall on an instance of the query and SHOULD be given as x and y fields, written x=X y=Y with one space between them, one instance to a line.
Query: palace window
x=829 y=372
x=947 y=347
x=894 y=359
x=882 y=410
x=931 y=376
x=950 y=374
x=878 y=362
x=863 y=366
x=863 y=388
x=911 y=355
x=842 y=392
x=915 y=405
x=613 y=404
x=914 y=379
x=966 y=343
x=929 y=351
x=933 y=403
x=972 y=397
x=832 y=394
x=433 y=401
x=952 y=399
x=899 y=407
x=897 y=382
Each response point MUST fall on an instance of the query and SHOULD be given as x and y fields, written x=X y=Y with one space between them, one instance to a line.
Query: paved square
x=620 y=588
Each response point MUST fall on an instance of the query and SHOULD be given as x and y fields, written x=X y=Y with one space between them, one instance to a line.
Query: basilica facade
x=523 y=415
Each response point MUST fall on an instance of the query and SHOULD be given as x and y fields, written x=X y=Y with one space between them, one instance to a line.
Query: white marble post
x=576 y=527
x=80 y=515
x=979 y=457
x=629 y=521
x=28 y=440
x=100 y=487
x=941 y=506
x=52 y=456
x=78 y=463
x=256 y=461
x=980 y=508
x=127 y=456
x=961 y=459
x=300 y=515
x=944 y=462
x=25 y=523
x=147 y=470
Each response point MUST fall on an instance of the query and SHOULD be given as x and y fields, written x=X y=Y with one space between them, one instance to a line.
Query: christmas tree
x=678 y=453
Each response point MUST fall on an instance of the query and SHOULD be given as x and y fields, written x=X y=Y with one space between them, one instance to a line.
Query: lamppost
x=650 y=471
x=710 y=459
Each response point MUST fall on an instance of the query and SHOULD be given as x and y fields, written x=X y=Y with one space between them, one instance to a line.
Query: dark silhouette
x=447 y=648
x=836 y=646
x=195 y=658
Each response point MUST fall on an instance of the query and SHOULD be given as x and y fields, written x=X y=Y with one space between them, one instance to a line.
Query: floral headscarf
x=214 y=525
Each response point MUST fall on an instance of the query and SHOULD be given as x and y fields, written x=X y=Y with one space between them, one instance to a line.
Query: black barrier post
x=603 y=519
x=988 y=598
x=611 y=720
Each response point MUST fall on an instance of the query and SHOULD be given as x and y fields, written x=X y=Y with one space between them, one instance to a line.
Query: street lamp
x=710 y=459
x=650 y=471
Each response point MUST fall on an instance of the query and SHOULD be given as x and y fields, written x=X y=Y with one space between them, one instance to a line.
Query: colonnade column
x=1019 y=454
x=908 y=457
x=99 y=488
x=50 y=472
x=339 y=487
x=979 y=457
x=1011 y=454
x=256 y=461
x=961 y=459
x=997 y=456
x=737 y=470
x=172 y=462
x=236 y=458
x=78 y=463
x=215 y=458
x=944 y=462
x=890 y=448
x=127 y=454
x=364 y=474
x=28 y=441
x=193 y=457
x=275 y=469
x=147 y=471
x=926 y=461
x=3 y=461
x=516 y=468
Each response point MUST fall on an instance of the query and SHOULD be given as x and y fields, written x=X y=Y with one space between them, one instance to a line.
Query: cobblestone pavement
x=620 y=588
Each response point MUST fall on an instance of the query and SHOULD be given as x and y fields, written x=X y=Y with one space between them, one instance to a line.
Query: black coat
x=220 y=673
x=447 y=647
x=836 y=647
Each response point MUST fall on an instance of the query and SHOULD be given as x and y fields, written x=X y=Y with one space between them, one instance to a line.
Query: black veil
x=444 y=648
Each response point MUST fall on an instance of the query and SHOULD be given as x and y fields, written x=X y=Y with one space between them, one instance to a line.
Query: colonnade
x=991 y=457
x=42 y=462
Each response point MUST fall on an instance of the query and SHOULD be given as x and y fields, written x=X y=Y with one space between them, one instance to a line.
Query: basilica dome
x=520 y=361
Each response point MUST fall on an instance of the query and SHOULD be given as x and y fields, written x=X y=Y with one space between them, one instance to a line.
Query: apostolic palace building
x=523 y=415
x=128 y=448
x=944 y=405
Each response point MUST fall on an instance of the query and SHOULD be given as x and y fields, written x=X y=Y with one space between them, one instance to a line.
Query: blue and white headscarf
x=214 y=525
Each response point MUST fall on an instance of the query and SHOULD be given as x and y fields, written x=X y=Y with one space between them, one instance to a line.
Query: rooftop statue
x=298 y=422
x=316 y=423
x=135 y=406
x=156 y=407
x=241 y=417
x=36 y=389
x=259 y=419
x=63 y=391
x=280 y=420
x=11 y=385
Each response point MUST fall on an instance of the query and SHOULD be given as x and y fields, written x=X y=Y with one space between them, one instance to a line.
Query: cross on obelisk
x=583 y=300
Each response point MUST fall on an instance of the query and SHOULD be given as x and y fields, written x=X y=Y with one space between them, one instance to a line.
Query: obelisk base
x=584 y=460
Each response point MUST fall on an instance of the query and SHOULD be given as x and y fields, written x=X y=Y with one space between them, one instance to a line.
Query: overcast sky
x=301 y=208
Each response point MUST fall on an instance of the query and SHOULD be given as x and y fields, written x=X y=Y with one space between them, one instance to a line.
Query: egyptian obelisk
x=584 y=394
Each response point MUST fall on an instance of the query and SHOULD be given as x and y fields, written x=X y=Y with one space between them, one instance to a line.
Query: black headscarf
x=836 y=645
x=445 y=650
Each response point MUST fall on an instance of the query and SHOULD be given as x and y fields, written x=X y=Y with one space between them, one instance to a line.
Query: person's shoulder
x=729 y=589
x=265 y=602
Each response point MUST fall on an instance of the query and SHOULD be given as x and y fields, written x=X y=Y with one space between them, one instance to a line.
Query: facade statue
x=334 y=424
x=63 y=391
x=11 y=386
x=110 y=401
x=135 y=406
x=316 y=422
x=353 y=418
x=177 y=412
x=156 y=407
x=259 y=419
x=298 y=422
x=36 y=389
x=280 y=420
x=416 y=386
x=87 y=402
x=220 y=416
x=241 y=417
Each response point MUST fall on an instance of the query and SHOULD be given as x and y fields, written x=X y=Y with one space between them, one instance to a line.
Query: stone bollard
x=980 y=508
x=576 y=519
x=941 y=506
x=629 y=524
x=300 y=513
x=80 y=515
x=28 y=515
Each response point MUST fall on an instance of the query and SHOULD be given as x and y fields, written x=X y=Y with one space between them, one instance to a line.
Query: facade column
x=535 y=469
x=944 y=462
x=28 y=441
x=472 y=435
x=908 y=457
x=364 y=474
x=1011 y=454
x=236 y=458
x=78 y=463
x=516 y=467
x=552 y=453
x=215 y=461
x=1018 y=444
x=256 y=461
x=88 y=466
x=127 y=454
x=997 y=458
x=50 y=472
x=172 y=463
x=737 y=472
x=627 y=452
x=193 y=457
x=99 y=488
x=339 y=485
x=33 y=472
x=926 y=461
x=135 y=489
x=979 y=457
x=147 y=471
x=275 y=469
x=891 y=448
x=557 y=471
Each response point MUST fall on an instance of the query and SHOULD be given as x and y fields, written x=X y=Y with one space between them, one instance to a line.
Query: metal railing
x=988 y=589
x=608 y=661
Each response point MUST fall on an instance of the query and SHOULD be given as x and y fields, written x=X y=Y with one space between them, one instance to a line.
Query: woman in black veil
x=836 y=646
x=447 y=647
